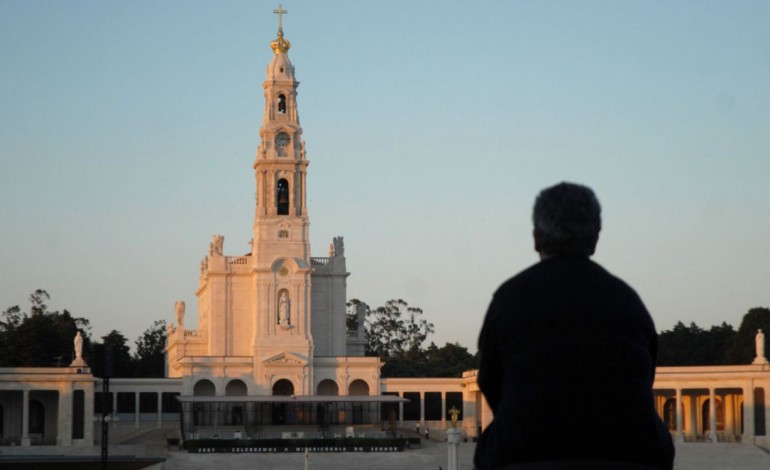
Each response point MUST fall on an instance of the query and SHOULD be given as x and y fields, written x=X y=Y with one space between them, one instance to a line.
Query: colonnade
x=715 y=403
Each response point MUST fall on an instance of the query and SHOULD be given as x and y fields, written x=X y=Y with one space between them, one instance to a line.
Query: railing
x=10 y=441
x=319 y=261
x=193 y=333
x=241 y=260
x=352 y=333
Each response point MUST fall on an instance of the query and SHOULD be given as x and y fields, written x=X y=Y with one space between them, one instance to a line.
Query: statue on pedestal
x=179 y=310
x=455 y=414
x=759 y=341
x=78 y=362
x=217 y=245
x=339 y=246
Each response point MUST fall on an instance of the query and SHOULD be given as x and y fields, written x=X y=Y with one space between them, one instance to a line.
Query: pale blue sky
x=128 y=130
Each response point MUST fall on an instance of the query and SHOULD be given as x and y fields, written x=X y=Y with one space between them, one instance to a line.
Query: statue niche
x=284 y=310
x=282 y=142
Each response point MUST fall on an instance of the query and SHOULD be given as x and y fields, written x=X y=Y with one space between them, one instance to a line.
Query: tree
x=351 y=316
x=149 y=358
x=718 y=342
x=395 y=328
x=451 y=360
x=743 y=350
x=111 y=356
x=694 y=346
x=40 y=337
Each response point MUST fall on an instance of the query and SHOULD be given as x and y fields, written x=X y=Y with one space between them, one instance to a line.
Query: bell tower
x=280 y=168
x=282 y=339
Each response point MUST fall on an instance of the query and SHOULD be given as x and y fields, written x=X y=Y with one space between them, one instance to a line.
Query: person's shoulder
x=614 y=281
x=521 y=276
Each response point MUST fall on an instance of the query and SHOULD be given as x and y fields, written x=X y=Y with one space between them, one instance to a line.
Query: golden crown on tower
x=280 y=44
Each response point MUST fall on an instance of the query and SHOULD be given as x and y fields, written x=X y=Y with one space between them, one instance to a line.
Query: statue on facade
x=78 y=346
x=339 y=246
x=169 y=330
x=78 y=341
x=284 y=309
x=179 y=310
x=331 y=250
x=217 y=245
x=759 y=341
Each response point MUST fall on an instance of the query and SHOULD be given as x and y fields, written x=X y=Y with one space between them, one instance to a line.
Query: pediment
x=285 y=359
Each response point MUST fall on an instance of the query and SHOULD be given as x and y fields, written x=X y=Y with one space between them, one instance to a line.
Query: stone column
x=401 y=410
x=694 y=416
x=767 y=412
x=679 y=412
x=136 y=409
x=748 y=414
x=88 y=414
x=422 y=410
x=160 y=410
x=114 y=415
x=25 y=441
x=453 y=436
x=64 y=427
x=712 y=415
x=729 y=406
x=443 y=410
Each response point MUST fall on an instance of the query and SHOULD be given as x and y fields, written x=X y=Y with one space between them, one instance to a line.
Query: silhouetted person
x=568 y=355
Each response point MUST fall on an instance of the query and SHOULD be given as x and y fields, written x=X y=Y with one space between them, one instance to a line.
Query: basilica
x=272 y=355
x=272 y=322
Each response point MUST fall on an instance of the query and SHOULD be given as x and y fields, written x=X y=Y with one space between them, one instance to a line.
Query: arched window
x=205 y=388
x=358 y=387
x=282 y=197
x=328 y=387
x=283 y=387
x=282 y=101
x=669 y=414
x=236 y=387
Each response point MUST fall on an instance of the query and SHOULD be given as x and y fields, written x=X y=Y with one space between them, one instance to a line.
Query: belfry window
x=282 y=197
x=282 y=104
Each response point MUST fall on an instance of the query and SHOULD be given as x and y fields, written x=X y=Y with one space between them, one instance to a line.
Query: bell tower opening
x=282 y=197
x=282 y=101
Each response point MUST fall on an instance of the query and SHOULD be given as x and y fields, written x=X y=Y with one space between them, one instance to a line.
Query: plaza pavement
x=694 y=456
x=432 y=455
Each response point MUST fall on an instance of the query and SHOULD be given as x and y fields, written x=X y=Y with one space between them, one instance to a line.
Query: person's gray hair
x=567 y=220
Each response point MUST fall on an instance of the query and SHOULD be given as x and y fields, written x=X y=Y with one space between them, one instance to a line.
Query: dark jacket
x=568 y=356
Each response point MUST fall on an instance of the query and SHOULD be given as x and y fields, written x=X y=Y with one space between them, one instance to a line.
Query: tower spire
x=280 y=45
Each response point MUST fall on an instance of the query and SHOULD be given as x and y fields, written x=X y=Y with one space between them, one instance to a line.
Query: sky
x=128 y=131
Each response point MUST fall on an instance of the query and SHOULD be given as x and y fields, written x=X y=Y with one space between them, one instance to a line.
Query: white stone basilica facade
x=273 y=321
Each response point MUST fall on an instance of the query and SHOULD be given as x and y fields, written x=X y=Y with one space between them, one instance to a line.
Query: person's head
x=567 y=220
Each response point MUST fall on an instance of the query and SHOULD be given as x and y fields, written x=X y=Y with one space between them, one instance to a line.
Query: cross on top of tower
x=280 y=11
x=280 y=44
